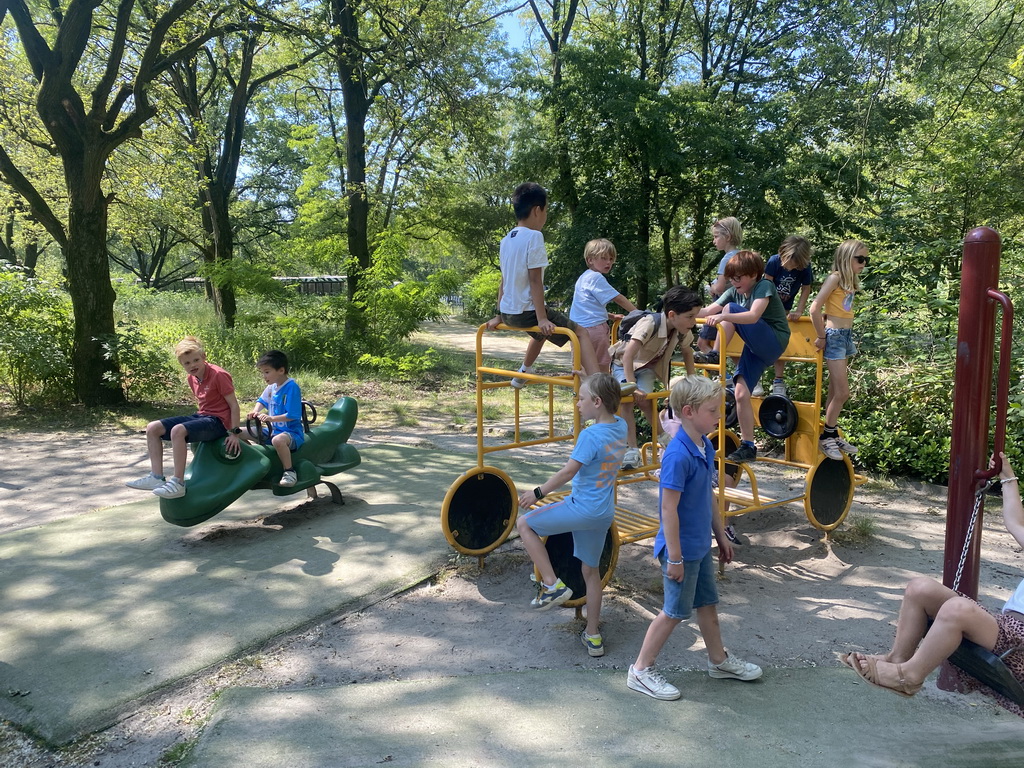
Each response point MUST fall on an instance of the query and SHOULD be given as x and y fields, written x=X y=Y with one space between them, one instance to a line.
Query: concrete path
x=103 y=608
x=789 y=718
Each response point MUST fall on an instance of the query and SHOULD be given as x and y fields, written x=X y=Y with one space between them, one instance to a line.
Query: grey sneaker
x=845 y=447
x=779 y=388
x=288 y=479
x=148 y=483
x=651 y=682
x=758 y=390
x=548 y=598
x=830 y=448
x=631 y=459
x=734 y=668
x=706 y=358
x=518 y=383
x=172 y=489
x=593 y=643
x=742 y=454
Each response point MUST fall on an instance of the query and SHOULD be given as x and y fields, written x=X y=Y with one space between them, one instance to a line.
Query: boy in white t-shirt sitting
x=593 y=294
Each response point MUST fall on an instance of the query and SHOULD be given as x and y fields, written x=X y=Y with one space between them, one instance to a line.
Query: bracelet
x=1005 y=480
x=821 y=337
x=674 y=562
x=538 y=493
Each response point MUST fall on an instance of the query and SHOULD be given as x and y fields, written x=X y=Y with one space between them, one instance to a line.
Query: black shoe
x=742 y=454
x=706 y=358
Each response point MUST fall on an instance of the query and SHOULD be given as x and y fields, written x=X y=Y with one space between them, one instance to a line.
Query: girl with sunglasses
x=832 y=315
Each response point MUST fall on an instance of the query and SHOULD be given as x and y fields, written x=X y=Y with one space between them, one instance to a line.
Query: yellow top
x=839 y=303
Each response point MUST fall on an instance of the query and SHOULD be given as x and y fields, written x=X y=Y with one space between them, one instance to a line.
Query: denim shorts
x=839 y=344
x=696 y=590
x=527 y=319
x=645 y=378
x=199 y=428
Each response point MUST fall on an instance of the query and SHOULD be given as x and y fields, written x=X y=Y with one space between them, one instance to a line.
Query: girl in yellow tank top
x=832 y=315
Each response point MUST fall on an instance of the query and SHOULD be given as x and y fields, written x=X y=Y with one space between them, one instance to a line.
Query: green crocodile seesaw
x=215 y=480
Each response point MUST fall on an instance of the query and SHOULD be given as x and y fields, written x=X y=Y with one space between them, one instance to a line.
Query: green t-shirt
x=774 y=314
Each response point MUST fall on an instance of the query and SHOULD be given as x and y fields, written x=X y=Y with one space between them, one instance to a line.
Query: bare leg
x=711 y=631
x=532 y=351
x=587 y=355
x=780 y=366
x=155 y=447
x=592 y=578
x=838 y=390
x=744 y=410
x=657 y=635
x=282 y=443
x=626 y=412
x=537 y=551
x=954 y=619
x=179 y=449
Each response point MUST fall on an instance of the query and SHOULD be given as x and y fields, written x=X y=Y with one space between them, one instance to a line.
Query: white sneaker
x=779 y=388
x=830 y=448
x=288 y=479
x=518 y=383
x=758 y=390
x=172 y=489
x=734 y=668
x=653 y=683
x=148 y=483
x=631 y=459
x=845 y=447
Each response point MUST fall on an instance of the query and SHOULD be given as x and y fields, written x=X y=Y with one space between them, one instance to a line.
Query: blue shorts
x=588 y=532
x=645 y=378
x=527 y=319
x=839 y=344
x=696 y=590
x=761 y=348
x=198 y=428
x=707 y=332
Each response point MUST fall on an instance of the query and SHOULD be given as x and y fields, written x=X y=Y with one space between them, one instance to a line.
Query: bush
x=479 y=297
x=35 y=346
x=144 y=366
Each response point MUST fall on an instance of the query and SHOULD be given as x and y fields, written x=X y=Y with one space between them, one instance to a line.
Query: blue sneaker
x=548 y=598
x=593 y=643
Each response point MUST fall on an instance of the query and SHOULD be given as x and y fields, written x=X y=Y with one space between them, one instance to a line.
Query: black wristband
x=538 y=493
x=236 y=431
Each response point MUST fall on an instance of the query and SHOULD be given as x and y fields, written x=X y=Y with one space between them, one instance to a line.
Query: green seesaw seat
x=214 y=481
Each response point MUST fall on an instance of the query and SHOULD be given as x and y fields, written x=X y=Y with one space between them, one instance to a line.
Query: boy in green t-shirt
x=750 y=307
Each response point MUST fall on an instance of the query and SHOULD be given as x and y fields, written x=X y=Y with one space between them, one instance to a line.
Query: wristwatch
x=236 y=431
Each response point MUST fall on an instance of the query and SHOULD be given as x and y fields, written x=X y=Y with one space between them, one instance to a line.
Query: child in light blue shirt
x=592 y=296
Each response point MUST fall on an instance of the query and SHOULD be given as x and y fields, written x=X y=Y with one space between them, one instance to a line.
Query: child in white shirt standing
x=593 y=294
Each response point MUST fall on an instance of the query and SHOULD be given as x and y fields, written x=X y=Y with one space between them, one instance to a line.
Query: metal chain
x=978 y=498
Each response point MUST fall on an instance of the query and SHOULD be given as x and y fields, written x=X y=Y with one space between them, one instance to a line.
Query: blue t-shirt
x=282 y=399
x=721 y=267
x=684 y=469
x=590 y=299
x=599 y=449
x=788 y=282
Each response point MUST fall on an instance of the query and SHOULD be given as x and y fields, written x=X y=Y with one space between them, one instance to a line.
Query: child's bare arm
x=817 y=307
x=628 y=354
x=1013 y=512
x=714 y=308
x=752 y=315
x=625 y=303
x=688 y=359
x=670 y=524
x=801 y=304
x=231 y=442
x=537 y=295
x=528 y=498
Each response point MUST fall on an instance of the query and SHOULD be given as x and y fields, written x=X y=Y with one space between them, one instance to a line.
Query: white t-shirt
x=1016 y=601
x=521 y=250
x=590 y=298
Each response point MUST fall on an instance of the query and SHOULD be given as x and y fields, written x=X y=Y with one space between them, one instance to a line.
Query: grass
x=858 y=531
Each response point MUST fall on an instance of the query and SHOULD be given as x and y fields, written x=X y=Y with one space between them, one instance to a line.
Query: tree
x=93 y=67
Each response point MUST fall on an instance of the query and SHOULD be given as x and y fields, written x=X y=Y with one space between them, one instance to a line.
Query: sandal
x=871 y=676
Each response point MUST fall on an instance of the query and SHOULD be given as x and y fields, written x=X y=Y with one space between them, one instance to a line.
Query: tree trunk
x=222 y=251
x=88 y=270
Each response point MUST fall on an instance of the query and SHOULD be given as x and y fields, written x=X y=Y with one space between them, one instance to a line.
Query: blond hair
x=188 y=344
x=599 y=247
x=731 y=227
x=796 y=250
x=842 y=263
x=693 y=391
x=604 y=386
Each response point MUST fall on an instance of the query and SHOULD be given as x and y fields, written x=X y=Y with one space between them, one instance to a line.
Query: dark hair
x=678 y=299
x=745 y=263
x=604 y=386
x=526 y=197
x=275 y=358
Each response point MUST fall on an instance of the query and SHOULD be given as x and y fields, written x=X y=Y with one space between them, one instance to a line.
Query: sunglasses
x=861 y=259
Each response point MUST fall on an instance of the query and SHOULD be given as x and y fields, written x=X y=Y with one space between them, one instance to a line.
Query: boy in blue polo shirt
x=689 y=516
x=282 y=401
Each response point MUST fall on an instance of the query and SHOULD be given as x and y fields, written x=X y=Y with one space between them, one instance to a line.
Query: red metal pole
x=972 y=387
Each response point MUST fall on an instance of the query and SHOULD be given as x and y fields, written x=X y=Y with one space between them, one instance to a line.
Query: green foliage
x=479 y=297
x=392 y=307
x=144 y=367
x=35 y=345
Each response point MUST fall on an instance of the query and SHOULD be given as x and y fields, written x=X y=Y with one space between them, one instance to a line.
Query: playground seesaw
x=216 y=480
